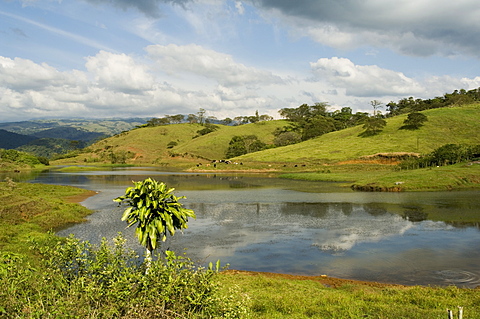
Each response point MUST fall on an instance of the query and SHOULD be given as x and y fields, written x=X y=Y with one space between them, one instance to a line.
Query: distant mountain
x=86 y=131
x=9 y=140
x=105 y=126
x=69 y=133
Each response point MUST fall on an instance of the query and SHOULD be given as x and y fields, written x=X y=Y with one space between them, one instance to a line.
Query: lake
x=261 y=223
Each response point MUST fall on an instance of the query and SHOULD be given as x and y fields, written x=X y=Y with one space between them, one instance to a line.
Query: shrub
x=240 y=145
x=80 y=280
x=447 y=154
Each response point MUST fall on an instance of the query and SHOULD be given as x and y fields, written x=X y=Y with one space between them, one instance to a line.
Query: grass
x=149 y=145
x=446 y=125
x=31 y=210
x=462 y=176
x=279 y=296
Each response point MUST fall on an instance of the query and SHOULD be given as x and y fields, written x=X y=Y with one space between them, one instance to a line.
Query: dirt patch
x=382 y=161
x=81 y=197
x=324 y=280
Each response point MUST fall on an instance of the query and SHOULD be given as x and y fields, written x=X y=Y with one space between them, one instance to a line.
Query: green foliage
x=447 y=154
x=373 y=126
x=456 y=98
x=311 y=121
x=118 y=157
x=172 y=144
x=80 y=280
x=287 y=138
x=240 y=145
x=18 y=157
x=317 y=126
x=51 y=147
x=208 y=128
x=414 y=121
x=155 y=210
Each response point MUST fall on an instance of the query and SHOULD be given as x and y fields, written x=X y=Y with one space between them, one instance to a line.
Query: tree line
x=456 y=98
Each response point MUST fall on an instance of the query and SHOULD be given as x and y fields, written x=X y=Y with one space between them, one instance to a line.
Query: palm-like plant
x=155 y=210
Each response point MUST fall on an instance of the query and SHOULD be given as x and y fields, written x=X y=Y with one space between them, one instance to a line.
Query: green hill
x=459 y=125
x=176 y=142
x=180 y=143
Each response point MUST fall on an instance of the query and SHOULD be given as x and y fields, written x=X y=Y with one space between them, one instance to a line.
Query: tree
x=376 y=105
x=240 y=145
x=287 y=138
x=201 y=116
x=155 y=210
x=208 y=128
x=158 y=121
x=317 y=126
x=414 y=121
x=176 y=118
x=227 y=121
x=192 y=118
x=373 y=125
x=255 y=118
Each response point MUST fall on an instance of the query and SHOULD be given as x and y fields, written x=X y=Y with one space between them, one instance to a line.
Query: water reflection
x=265 y=224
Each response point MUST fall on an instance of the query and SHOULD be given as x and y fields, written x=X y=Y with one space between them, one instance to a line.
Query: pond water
x=260 y=223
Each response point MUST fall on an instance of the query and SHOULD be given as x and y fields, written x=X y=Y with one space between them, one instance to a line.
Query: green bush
x=18 y=157
x=447 y=154
x=80 y=280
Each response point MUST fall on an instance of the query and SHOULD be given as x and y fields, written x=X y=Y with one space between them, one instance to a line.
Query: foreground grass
x=278 y=296
x=44 y=276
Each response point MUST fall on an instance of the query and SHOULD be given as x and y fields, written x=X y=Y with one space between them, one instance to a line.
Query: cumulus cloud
x=119 y=72
x=420 y=28
x=21 y=74
x=364 y=80
x=118 y=85
x=213 y=65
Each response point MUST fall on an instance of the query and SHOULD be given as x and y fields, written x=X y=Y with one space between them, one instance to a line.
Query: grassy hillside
x=215 y=144
x=150 y=145
x=447 y=125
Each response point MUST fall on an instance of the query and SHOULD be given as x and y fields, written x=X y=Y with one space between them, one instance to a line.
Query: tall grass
x=277 y=296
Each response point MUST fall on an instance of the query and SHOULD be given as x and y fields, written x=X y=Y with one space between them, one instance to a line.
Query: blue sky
x=150 y=58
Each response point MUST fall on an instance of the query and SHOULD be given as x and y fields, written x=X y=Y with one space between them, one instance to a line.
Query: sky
x=151 y=58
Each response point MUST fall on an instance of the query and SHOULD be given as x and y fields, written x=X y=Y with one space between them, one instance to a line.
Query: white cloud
x=119 y=85
x=21 y=74
x=364 y=80
x=119 y=72
x=239 y=7
x=210 y=64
